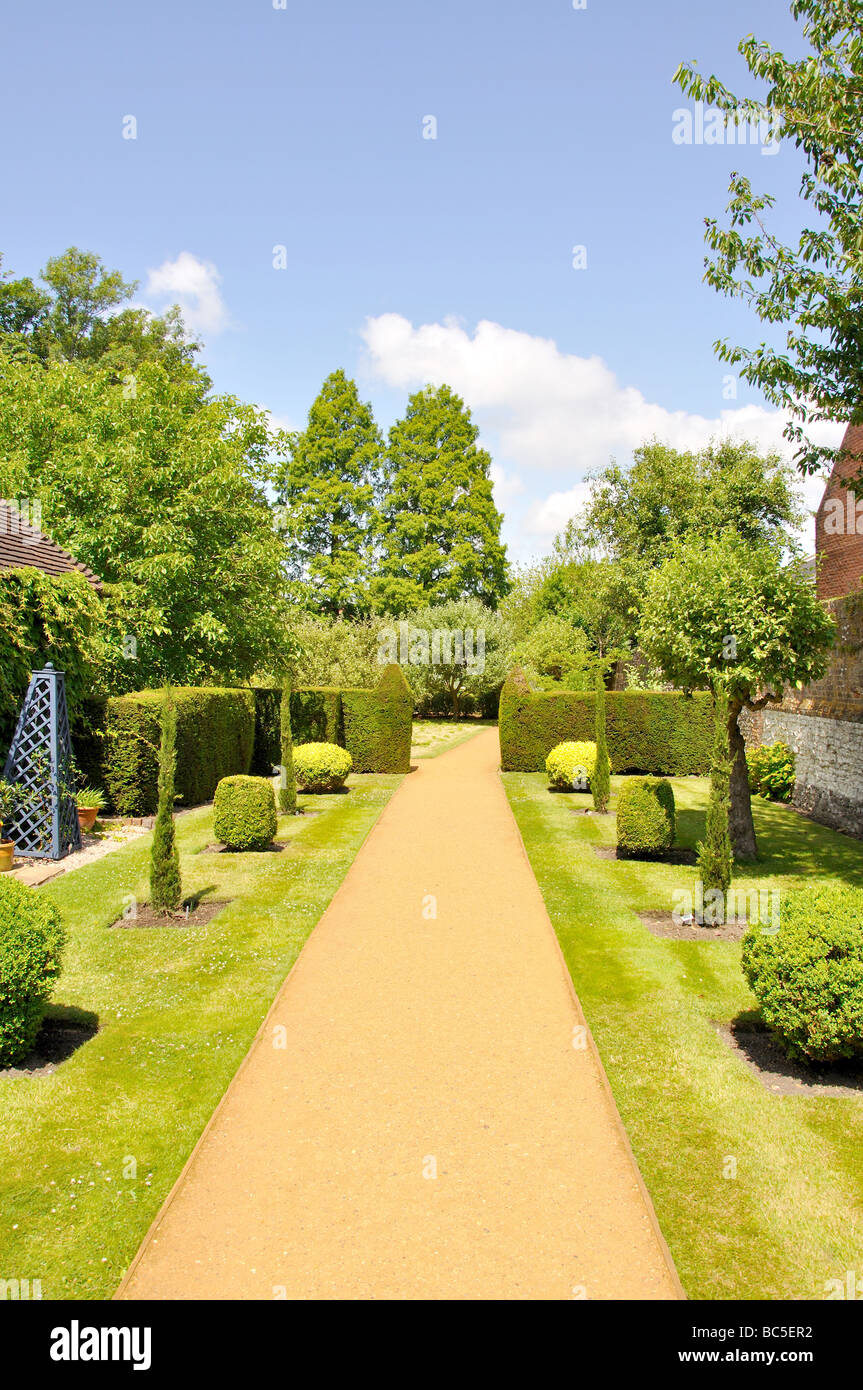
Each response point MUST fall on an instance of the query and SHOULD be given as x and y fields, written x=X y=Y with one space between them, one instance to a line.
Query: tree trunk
x=740 y=823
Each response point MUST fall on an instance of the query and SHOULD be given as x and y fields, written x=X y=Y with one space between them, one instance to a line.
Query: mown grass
x=792 y=1217
x=88 y=1153
x=431 y=737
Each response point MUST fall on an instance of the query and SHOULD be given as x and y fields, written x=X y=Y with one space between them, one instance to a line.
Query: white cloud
x=507 y=486
x=546 y=519
x=194 y=285
x=552 y=411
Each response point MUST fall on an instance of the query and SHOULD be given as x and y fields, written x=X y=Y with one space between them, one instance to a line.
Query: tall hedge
x=378 y=724
x=265 y=754
x=669 y=734
x=120 y=748
x=316 y=715
x=374 y=725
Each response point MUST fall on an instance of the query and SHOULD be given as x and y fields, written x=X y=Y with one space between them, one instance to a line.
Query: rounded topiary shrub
x=321 y=767
x=808 y=976
x=570 y=766
x=244 y=812
x=645 y=816
x=31 y=942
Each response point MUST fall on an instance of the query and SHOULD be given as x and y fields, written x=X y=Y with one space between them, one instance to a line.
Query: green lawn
x=177 y=1010
x=432 y=737
x=792 y=1218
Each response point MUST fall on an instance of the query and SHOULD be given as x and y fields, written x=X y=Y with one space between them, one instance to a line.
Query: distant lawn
x=432 y=737
x=792 y=1219
x=177 y=1009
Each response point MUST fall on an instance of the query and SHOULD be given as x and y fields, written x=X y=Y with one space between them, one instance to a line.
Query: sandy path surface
x=413 y=1120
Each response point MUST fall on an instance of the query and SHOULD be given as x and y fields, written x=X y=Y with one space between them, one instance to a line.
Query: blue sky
x=408 y=259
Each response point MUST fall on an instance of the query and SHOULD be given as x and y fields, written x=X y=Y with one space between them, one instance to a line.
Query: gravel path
x=414 y=1120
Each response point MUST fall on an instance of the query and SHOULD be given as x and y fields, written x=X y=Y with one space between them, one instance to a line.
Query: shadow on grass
x=783 y=849
x=765 y=1056
x=64 y=1029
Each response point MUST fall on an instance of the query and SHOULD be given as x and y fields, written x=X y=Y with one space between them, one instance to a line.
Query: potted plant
x=10 y=799
x=90 y=802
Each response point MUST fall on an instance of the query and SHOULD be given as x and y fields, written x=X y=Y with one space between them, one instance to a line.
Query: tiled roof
x=840 y=551
x=23 y=546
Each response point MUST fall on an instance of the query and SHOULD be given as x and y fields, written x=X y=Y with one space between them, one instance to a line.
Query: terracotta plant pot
x=87 y=816
x=7 y=854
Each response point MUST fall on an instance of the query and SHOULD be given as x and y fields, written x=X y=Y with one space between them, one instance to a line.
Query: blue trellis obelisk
x=45 y=824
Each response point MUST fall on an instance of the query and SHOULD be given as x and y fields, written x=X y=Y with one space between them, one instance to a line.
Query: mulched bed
x=58 y=1039
x=663 y=924
x=765 y=1058
x=198 y=916
x=670 y=856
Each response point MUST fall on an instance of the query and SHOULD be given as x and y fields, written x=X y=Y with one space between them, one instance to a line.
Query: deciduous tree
x=729 y=609
x=812 y=287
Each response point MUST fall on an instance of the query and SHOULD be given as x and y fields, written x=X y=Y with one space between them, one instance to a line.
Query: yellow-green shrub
x=321 y=767
x=570 y=766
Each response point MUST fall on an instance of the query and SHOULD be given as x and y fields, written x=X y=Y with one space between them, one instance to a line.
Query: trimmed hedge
x=808 y=977
x=378 y=724
x=244 y=812
x=645 y=816
x=316 y=715
x=321 y=767
x=120 y=748
x=31 y=944
x=374 y=725
x=224 y=732
x=648 y=731
x=266 y=753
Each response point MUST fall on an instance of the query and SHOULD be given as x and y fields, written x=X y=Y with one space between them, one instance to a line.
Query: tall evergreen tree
x=287 y=781
x=715 y=858
x=600 y=782
x=328 y=488
x=439 y=530
x=165 y=886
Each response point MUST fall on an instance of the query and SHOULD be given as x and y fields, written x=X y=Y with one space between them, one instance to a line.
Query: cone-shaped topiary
x=287 y=782
x=715 y=858
x=600 y=782
x=165 y=886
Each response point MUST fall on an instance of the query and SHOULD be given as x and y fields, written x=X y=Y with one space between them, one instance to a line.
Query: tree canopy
x=163 y=495
x=438 y=527
x=814 y=285
x=726 y=609
x=77 y=317
x=667 y=495
x=328 y=488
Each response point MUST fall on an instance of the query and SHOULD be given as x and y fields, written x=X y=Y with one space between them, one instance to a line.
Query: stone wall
x=829 y=753
x=823 y=724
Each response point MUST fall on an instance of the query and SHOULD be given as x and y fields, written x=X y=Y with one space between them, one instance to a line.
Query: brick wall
x=838 y=544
